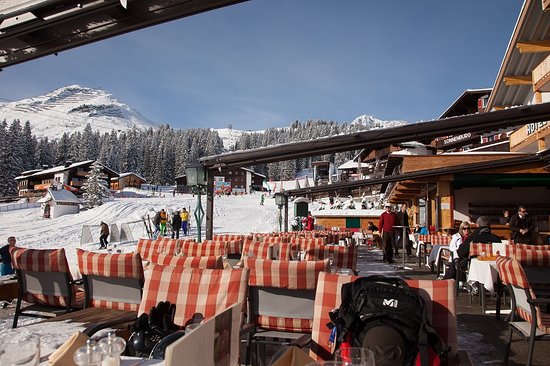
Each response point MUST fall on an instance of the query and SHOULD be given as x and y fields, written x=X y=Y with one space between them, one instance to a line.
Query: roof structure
x=379 y=138
x=61 y=195
x=35 y=28
x=60 y=168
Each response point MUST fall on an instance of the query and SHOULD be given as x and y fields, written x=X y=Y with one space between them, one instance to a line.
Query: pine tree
x=95 y=188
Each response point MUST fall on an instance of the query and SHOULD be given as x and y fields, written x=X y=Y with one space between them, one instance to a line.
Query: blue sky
x=267 y=63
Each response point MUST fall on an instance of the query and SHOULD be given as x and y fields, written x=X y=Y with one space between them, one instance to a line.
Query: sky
x=268 y=63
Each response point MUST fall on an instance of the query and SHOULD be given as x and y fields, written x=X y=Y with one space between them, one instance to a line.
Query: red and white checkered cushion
x=258 y=249
x=126 y=265
x=435 y=239
x=477 y=248
x=146 y=247
x=292 y=275
x=275 y=239
x=532 y=246
x=205 y=262
x=192 y=290
x=438 y=295
x=234 y=243
x=204 y=249
x=343 y=256
x=45 y=260
x=532 y=257
x=287 y=251
x=308 y=242
x=167 y=245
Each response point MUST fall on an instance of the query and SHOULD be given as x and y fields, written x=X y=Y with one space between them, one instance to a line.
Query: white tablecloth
x=483 y=272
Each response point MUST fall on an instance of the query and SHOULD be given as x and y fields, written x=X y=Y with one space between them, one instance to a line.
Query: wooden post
x=445 y=204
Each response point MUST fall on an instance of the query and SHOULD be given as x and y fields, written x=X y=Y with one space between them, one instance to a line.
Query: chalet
x=129 y=179
x=229 y=180
x=71 y=176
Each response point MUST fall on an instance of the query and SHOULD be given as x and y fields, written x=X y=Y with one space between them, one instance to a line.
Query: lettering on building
x=534 y=127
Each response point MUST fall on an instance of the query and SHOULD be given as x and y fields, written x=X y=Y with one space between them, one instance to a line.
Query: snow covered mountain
x=370 y=122
x=70 y=108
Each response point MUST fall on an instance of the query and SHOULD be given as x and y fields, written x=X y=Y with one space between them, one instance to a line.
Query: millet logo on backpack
x=390 y=302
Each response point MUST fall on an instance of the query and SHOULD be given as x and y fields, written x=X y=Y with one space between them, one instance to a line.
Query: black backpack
x=386 y=316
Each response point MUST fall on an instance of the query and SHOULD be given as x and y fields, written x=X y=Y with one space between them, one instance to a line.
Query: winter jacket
x=176 y=220
x=163 y=217
x=387 y=222
x=104 y=229
x=156 y=220
x=184 y=216
x=482 y=235
x=517 y=223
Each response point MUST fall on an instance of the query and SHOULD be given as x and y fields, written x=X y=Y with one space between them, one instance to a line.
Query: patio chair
x=281 y=298
x=287 y=252
x=343 y=257
x=527 y=319
x=305 y=243
x=45 y=282
x=193 y=290
x=257 y=250
x=111 y=281
x=439 y=297
x=476 y=249
x=205 y=262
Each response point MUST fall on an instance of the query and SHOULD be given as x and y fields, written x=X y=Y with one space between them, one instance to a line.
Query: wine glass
x=354 y=356
x=22 y=350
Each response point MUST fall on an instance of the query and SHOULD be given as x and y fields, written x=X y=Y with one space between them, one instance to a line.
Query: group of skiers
x=176 y=222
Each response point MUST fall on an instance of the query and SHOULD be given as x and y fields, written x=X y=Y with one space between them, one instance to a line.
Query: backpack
x=386 y=316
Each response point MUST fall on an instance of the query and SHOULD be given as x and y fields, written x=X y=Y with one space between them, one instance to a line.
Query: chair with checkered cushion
x=438 y=295
x=193 y=290
x=45 y=282
x=111 y=281
x=257 y=250
x=343 y=257
x=281 y=297
x=206 y=248
x=287 y=252
x=527 y=319
x=529 y=257
x=205 y=262
x=532 y=246
x=305 y=243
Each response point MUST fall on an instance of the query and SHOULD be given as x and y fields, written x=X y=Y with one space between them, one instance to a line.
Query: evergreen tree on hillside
x=44 y=153
x=62 y=154
x=5 y=183
x=95 y=188
x=29 y=143
x=13 y=158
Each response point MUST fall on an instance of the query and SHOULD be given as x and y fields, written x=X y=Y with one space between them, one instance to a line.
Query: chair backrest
x=111 y=281
x=204 y=262
x=287 y=251
x=532 y=257
x=532 y=246
x=193 y=290
x=44 y=276
x=282 y=293
x=234 y=242
x=206 y=248
x=476 y=249
x=258 y=249
x=435 y=239
x=511 y=274
x=439 y=297
x=343 y=256
x=167 y=245
x=305 y=243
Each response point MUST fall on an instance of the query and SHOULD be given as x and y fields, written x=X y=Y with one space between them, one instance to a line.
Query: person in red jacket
x=388 y=220
x=308 y=222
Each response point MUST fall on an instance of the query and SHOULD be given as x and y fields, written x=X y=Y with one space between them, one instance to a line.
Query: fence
x=18 y=206
x=90 y=233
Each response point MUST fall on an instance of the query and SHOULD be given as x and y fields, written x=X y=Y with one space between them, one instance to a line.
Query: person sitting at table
x=522 y=227
x=372 y=227
x=482 y=234
x=505 y=219
x=456 y=240
x=5 y=263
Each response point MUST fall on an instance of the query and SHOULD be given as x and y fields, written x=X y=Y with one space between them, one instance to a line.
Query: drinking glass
x=22 y=350
x=355 y=356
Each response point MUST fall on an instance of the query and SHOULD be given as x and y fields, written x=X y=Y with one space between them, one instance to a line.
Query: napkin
x=63 y=356
x=293 y=356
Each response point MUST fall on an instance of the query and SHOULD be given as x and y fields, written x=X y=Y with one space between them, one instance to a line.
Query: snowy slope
x=70 y=108
x=370 y=122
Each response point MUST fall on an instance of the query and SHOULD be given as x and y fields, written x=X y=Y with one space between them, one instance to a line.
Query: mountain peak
x=71 y=108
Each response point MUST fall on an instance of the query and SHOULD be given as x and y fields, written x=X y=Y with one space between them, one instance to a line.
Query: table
x=8 y=288
x=94 y=319
x=485 y=273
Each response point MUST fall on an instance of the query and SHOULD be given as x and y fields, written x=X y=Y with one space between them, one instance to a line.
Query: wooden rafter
x=518 y=80
x=533 y=46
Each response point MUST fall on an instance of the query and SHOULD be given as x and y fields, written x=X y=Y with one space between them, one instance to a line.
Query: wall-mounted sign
x=452 y=140
x=534 y=127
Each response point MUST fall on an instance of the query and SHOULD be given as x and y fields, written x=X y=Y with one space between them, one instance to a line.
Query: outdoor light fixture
x=280 y=200
x=197 y=179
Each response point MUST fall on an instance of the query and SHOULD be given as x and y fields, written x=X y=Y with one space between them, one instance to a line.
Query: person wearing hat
x=103 y=234
x=388 y=220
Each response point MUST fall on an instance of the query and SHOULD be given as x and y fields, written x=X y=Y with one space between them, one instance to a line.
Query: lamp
x=280 y=201
x=197 y=179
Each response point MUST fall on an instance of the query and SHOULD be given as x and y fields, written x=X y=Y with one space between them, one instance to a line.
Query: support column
x=209 y=205
x=285 y=217
x=444 y=192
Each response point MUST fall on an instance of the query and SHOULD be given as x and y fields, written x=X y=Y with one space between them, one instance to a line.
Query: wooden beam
x=533 y=46
x=518 y=80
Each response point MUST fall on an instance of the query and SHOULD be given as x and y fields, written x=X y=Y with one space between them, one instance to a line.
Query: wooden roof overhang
x=34 y=28
x=411 y=180
x=379 y=138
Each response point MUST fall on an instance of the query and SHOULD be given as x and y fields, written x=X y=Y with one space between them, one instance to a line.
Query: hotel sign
x=534 y=127
x=456 y=139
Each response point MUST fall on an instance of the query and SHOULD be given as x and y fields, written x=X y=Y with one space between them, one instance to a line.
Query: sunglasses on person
x=465 y=228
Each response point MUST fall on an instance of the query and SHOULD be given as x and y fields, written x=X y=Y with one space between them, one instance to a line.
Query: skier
x=163 y=219
x=176 y=224
x=156 y=222
x=262 y=199
x=184 y=220
x=104 y=233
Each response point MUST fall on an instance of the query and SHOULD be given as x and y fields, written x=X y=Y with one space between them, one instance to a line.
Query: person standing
x=163 y=220
x=176 y=225
x=262 y=199
x=184 y=221
x=156 y=222
x=104 y=233
x=386 y=224
x=403 y=220
x=309 y=222
x=5 y=256
x=522 y=227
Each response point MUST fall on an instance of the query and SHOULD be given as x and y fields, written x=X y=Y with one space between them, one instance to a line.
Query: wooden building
x=71 y=175
x=127 y=180
x=58 y=202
